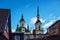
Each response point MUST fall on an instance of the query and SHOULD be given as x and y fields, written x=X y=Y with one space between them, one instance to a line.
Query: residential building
x=54 y=29
x=5 y=24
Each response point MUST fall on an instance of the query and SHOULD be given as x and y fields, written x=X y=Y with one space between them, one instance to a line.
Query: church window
x=23 y=30
x=16 y=37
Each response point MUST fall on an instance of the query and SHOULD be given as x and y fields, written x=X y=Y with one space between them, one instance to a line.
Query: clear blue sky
x=49 y=11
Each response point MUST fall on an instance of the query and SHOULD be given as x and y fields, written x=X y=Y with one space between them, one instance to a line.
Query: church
x=22 y=27
x=23 y=33
x=38 y=29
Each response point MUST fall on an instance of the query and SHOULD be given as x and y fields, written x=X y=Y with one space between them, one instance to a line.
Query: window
x=23 y=29
x=36 y=27
x=54 y=27
x=54 y=30
x=16 y=37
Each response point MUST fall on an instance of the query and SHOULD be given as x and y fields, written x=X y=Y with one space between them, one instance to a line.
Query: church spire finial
x=22 y=19
x=22 y=16
x=37 y=10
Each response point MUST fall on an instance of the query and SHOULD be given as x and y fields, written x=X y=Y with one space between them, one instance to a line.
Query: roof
x=22 y=19
x=3 y=18
x=38 y=21
x=54 y=37
x=19 y=29
x=54 y=23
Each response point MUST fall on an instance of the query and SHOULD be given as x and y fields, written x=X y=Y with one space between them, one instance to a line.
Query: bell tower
x=21 y=27
x=38 y=23
x=22 y=21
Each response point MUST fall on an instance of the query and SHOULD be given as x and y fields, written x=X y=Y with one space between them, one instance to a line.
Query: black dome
x=38 y=21
x=22 y=20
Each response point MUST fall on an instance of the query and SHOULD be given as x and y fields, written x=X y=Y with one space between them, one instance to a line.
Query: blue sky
x=49 y=11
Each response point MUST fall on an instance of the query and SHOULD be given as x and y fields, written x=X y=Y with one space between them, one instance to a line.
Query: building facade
x=23 y=33
x=17 y=36
x=22 y=28
x=5 y=24
x=38 y=29
x=36 y=33
x=54 y=29
x=38 y=23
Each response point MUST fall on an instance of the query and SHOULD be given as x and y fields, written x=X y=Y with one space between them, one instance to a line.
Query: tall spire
x=22 y=16
x=37 y=12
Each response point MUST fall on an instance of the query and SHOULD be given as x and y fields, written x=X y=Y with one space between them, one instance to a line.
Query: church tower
x=38 y=23
x=22 y=28
x=22 y=21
